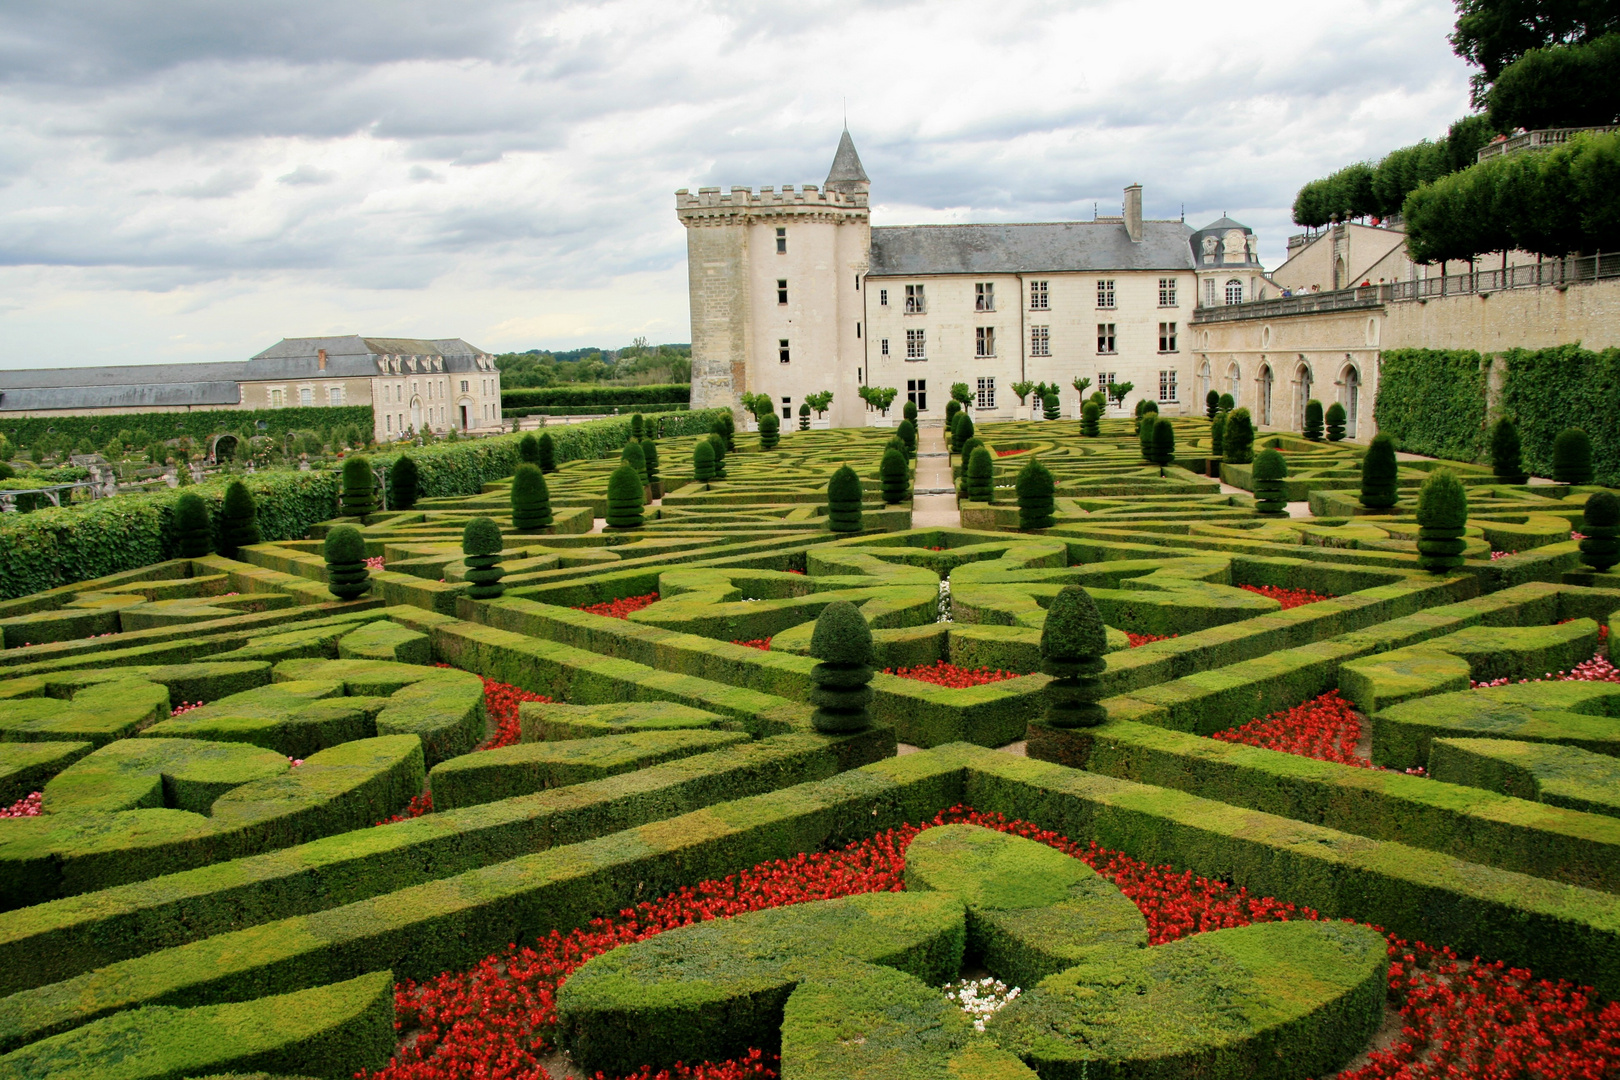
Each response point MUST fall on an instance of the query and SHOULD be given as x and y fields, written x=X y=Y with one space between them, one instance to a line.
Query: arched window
x=1234 y=291
x=1206 y=381
x=1303 y=383
x=1234 y=379
x=1265 y=395
x=1352 y=399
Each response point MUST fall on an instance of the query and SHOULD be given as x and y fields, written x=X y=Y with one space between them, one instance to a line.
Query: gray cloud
x=307 y=174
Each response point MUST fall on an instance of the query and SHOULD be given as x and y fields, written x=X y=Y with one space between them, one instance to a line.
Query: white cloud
x=308 y=174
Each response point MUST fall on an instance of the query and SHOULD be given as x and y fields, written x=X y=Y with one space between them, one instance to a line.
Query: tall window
x=1037 y=296
x=1105 y=379
x=1234 y=291
x=917 y=393
x=787 y=408
x=916 y=348
x=883 y=298
x=984 y=296
x=1040 y=341
x=987 y=393
x=463 y=386
x=885 y=346
x=916 y=304
x=781 y=290
x=334 y=395
x=275 y=399
x=782 y=349
x=1167 y=337
x=781 y=241
x=1167 y=385
x=984 y=341
x=1209 y=292
x=1105 y=293
x=1105 y=337
x=1167 y=292
x=306 y=396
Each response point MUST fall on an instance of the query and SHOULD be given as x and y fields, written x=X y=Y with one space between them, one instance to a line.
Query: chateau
x=794 y=292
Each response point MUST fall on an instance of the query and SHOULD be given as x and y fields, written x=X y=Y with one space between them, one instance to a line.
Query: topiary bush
x=649 y=454
x=907 y=434
x=844 y=501
x=703 y=461
x=1313 y=420
x=952 y=408
x=1035 y=496
x=239 y=520
x=968 y=448
x=1144 y=433
x=1228 y=403
x=1572 y=457
x=1212 y=404
x=638 y=427
x=1442 y=514
x=804 y=416
x=1601 y=526
x=1217 y=435
x=632 y=456
x=895 y=476
x=909 y=411
x=1378 y=474
x=404 y=483
x=1072 y=645
x=1506 y=461
x=717 y=443
x=726 y=428
x=842 y=643
x=1239 y=437
x=547 y=459
x=1090 y=415
x=1051 y=408
x=529 y=449
x=1164 y=444
x=770 y=431
x=359 y=487
x=963 y=430
x=346 y=575
x=193 y=531
x=481 y=546
x=531 y=499
x=981 y=474
x=624 y=498
x=1270 y=469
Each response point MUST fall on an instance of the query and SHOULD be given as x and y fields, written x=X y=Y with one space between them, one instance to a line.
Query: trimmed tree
x=1050 y=407
x=844 y=501
x=1164 y=444
x=1228 y=403
x=804 y=416
x=346 y=575
x=1212 y=404
x=404 y=483
x=359 y=487
x=1035 y=496
x=193 y=532
x=895 y=476
x=1378 y=474
x=529 y=449
x=1442 y=514
x=841 y=644
x=1144 y=433
x=717 y=443
x=1601 y=525
x=1572 y=457
x=1270 y=469
x=1335 y=422
x=649 y=453
x=981 y=476
x=1239 y=437
x=907 y=434
x=1313 y=420
x=770 y=431
x=1072 y=645
x=909 y=411
x=963 y=430
x=548 y=453
x=952 y=407
x=726 y=428
x=1217 y=435
x=1507 y=463
x=239 y=520
x=531 y=499
x=481 y=545
x=1090 y=414
x=638 y=427
x=703 y=461
x=633 y=456
x=967 y=451
x=624 y=498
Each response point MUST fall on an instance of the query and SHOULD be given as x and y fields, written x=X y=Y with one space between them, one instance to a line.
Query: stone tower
x=776 y=281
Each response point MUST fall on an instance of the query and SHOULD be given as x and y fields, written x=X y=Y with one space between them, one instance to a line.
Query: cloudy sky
x=194 y=180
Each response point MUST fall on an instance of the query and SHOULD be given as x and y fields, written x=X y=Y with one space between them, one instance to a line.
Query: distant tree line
x=636 y=364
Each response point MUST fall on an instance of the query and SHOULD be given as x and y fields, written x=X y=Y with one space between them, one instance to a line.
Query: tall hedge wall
x=1432 y=401
x=605 y=397
x=22 y=431
x=591 y=410
x=1548 y=390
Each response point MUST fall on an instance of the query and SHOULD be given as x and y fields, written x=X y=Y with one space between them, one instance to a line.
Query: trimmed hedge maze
x=589 y=823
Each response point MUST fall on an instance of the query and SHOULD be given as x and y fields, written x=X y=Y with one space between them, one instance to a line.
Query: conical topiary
x=1212 y=404
x=1035 y=496
x=1572 y=457
x=624 y=498
x=531 y=499
x=1313 y=420
x=346 y=575
x=1506 y=461
x=703 y=461
x=804 y=416
x=717 y=443
x=1442 y=514
x=895 y=476
x=1270 y=469
x=1217 y=435
x=633 y=456
x=909 y=411
x=1239 y=437
x=548 y=453
x=1090 y=416
x=638 y=427
x=359 y=487
x=481 y=546
x=967 y=453
x=193 y=532
x=529 y=449
x=1228 y=403
x=952 y=407
x=842 y=645
x=649 y=454
x=239 y=520
x=404 y=483
x=981 y=476
x=726 y=428
x=1144 y=432
x=907 y=433
x=1601 y=526
x=1378 y=474
x=1051 y=408
x=770 y=431
x=1335 y=422
x=1072 y=645
x=1164 y=444
x=963 y=431
x=844 y=501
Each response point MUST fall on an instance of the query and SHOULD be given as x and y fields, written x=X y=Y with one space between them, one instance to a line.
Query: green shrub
x=1547 y=390
x=1073 y=641
x=962 y=430
x=359 y=487
x=239 y=525
x=703 y=461
x=1217 y=435
x=531 y=499
x=844 y=501
x=481 y=545
x=1506 y=462
x=1313 y=420
x=649 y=453
x=1442 y=514
x=192 y=529
x=842 y=643
x=529 y=449
x=1145 y=424
x=907 y=433
x=1432 y=401
x=1212 y=404
x=1270 y=469
x=1335 y=422
x=1164 y=444
x=603 y=397
x=909 y=411
x=346 y=575
x=1090 y=414
x=981 y=472
x=1228 y=403
x=1035 y=496
x=725 y=427
x=968 y=447
x=804 y=415
x=1051 y=408
x=1378 y=473
x=633 y=456
x=952 y=408
x=404 y=483
x=1572 y=457
x=895 y=476
x=1601 y=526
x=770 y=431
x=546 y=457
x=717 y=443
x=1239 y=437
x=198 y=426
x=637 y=427
x=624 y=498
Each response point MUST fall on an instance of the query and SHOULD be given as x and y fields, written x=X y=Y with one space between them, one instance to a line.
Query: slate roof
x=136 y=386
x=846 y=166
x=1054 y=247
x=352 y=356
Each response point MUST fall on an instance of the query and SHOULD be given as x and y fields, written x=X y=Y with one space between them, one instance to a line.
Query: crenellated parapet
x=710 y=206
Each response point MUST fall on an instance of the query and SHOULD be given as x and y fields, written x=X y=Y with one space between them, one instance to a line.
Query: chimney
x=320 y=359
x=1133 y=213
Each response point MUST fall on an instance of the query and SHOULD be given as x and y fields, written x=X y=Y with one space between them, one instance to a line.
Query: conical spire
x=846 y=172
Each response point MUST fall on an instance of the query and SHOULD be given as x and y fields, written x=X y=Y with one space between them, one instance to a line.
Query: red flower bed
x=620 y=609
x=1010 y=453
x=1289 y=598
x=761 y=643
x=1324 y=728
x=492 y=1022
x=941 y=673
x=421 y=804
x=1138 y=640
x=29 y=805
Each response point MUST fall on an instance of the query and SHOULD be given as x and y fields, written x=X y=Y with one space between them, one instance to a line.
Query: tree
x=193 y=531
x=844 y=501
x=404 y=483
x=1035 y=496
x=625 y=498
x=1600 y=522
x=981 y=473
x=906 y=432
x=961 y=430
x=1212 y=404
x=1561 y=86
x=1118 y=390
x=841 y=643
x=1217 y=435
x=909 y=411
x=1378 y=474
x=1164 y=444
x=1228 y=403
x=966 y=453
x=1506 y=462
x=359 y=487
x=820 y=401
x=727 y=430
x=1145 y=423
x=1239 y=437
x=952 y=408
x=1089 y=414
x=1073 y=641
x=345 y=551
x=649 y=452
x=883 y=397
x=1270 y=469
x=638 y=425
x=1022 y=388
x=960 y=391
x=1081 y=384
x=804 y=416
x=239 y=524
x=718 y=445
x=895 y=476
x=1335 y=422
x=481 y=545
x=1442 y=515
x=1572 y=457
x=770 y=431
x=531 y=499
x=547 y=460
x=1050 y=407
x=633 y=456
x=1313 y=420
x=529 y=449
x=757 y=404
x=1492 y=34
x=703 y=461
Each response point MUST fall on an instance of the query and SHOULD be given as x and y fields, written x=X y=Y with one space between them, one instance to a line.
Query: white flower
x=980 y=998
